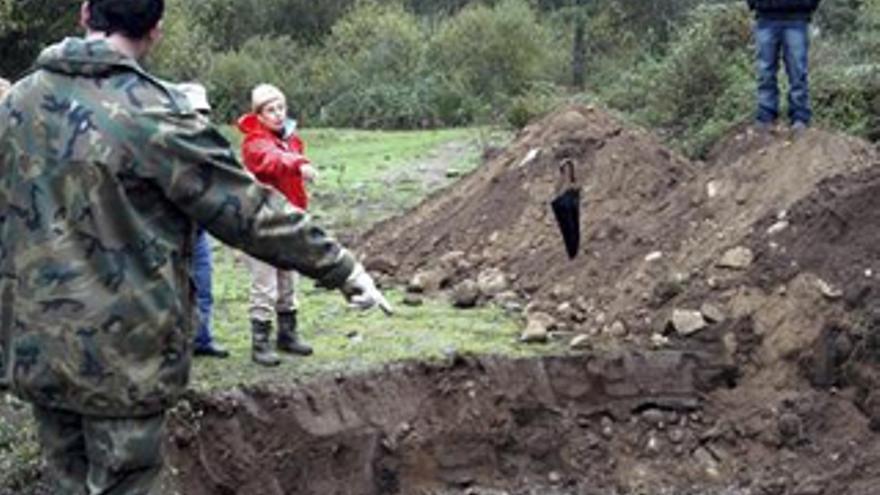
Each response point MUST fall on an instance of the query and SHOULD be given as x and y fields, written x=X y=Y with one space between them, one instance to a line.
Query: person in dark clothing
x=782 y=27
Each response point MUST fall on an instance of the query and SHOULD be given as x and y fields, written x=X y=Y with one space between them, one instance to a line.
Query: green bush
x=230 y=23
x=382 y=41
x=495 y=52
x=688 y=72
x=540 y=99
x=701 y=86
x=27 y=27
x=838 y=17
x=184 y=53
x=369 y=73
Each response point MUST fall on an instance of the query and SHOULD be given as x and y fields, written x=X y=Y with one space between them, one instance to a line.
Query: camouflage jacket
x=104 y=172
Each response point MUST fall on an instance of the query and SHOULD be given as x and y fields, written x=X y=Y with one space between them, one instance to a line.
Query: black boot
x=261 y=347
x=288 y=339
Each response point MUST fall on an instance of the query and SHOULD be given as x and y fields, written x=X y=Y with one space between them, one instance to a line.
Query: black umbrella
x=566 y=208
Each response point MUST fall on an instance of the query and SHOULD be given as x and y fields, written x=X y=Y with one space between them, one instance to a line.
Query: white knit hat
x=197 y=96
x=264 y=93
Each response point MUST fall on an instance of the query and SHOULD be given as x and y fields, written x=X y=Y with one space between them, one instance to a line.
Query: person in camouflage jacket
x=104 y=173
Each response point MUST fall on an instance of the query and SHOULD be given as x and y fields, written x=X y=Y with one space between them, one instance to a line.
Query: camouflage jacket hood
x=104 y=172
x=80 y=57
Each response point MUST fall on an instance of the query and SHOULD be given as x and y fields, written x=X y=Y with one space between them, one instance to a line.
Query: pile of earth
x=759 y=257
x=656 y=228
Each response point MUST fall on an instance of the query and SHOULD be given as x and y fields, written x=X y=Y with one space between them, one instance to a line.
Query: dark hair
x=132 y=18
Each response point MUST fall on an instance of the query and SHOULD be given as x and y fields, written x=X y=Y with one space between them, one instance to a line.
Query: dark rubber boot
x=261 y=347
x=288 y=338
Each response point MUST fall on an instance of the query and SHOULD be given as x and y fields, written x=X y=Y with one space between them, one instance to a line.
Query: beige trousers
x=272 y=290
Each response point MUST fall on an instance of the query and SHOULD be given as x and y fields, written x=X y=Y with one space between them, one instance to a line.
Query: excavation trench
x=471 y=425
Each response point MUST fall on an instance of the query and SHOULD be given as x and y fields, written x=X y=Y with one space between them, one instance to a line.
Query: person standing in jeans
x=782 y=28
x=202 y=264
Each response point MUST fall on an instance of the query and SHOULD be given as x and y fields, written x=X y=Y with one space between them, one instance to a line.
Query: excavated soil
x=616 y=423
x=771 y=243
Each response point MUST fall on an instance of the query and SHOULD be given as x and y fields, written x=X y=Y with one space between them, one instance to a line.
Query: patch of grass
x=19 y=451
x=347 y=340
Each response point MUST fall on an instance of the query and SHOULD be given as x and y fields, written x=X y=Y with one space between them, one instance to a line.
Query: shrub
x=384 y=42
x=701 y=86
x=369 y=72
x=230 y=23
x=185 y=51
x=539 y=100
x=495 y=52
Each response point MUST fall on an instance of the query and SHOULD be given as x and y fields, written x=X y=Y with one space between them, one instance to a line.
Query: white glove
x=309 y=173
x=361 y=291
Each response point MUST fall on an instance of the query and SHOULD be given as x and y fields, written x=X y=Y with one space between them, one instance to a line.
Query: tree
x=27 y=27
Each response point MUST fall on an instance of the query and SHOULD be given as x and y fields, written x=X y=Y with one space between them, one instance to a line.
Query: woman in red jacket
x=273 y=152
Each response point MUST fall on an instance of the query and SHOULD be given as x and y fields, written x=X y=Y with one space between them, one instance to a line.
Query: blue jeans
x=791 y=38
x=202 y=271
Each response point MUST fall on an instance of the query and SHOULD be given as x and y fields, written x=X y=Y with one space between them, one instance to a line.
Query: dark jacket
x=104 y=173
x=784 y=9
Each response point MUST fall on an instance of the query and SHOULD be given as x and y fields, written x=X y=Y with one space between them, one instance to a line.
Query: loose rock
x=616 y=330
x=382 y=264
x=828 y=290
x=712 y=313
x=687 y=322
x=580 y=342
x=465 y=295
x=537 y=328
x=426 y=281
x=411 y=299
x=738 y=258
x=492 y=282
x=653 y=256
x=659 y=340
x=777 y=227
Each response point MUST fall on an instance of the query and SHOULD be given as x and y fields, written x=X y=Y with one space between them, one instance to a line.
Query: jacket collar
x=83 y=57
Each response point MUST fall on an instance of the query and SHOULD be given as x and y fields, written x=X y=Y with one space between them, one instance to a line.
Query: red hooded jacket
x=273 y=160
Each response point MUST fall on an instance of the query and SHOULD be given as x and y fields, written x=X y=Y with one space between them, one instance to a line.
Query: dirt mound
x=764 y=253
x=498 y=216
x=653 y=224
